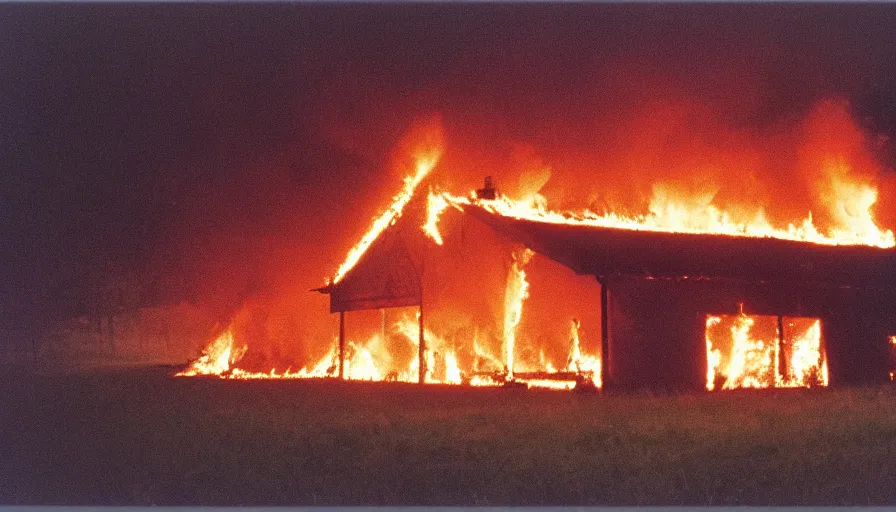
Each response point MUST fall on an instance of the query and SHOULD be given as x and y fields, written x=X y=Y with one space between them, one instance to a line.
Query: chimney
x=488 y=191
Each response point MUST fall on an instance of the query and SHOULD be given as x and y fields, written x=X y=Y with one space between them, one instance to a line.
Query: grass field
x=139 y=437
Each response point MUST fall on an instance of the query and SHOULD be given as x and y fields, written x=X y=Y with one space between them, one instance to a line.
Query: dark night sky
x=215 y=150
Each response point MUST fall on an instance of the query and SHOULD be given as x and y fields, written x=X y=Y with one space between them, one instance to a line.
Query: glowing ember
x=550 y=384
x=753 y=362
x=516 y=292
x=483 y=381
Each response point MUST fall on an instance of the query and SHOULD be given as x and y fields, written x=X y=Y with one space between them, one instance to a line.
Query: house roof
x=611 y=251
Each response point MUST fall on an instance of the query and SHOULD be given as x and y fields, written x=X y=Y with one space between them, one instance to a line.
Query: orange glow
x=582 y=363
x=748 y=357
x=441 y=361
x=435 y=205
x=742 y=351
x=549 y=384
x=516 y=292
x=713 y=355
x=425 y=163
x=217 y=358
x=670 y=214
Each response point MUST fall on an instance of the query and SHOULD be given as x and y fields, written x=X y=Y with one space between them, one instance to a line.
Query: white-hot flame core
x=217 y=358
x=435 y=205
x=805 y=355
x=713 y=355
x=755 y=363
x=579 y=362
x=751 y=359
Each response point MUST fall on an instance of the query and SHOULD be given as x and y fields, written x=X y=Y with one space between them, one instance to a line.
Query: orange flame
x=754 y=363
x=669 y=216
x=750 y=362
x=217 y=358
x=425 y=163
x=516 y=292
x=435 y=205
x=582 y=363
x=713 y=355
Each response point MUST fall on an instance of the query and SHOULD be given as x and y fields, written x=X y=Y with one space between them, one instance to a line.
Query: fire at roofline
x=679 y=238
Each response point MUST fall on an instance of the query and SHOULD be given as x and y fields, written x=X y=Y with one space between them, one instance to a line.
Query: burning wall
x=706 y=333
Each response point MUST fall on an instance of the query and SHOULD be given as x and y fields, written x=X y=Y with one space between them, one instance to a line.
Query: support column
x=782 y=354
x=341 y=344
x=604 y=332
x=421 y=363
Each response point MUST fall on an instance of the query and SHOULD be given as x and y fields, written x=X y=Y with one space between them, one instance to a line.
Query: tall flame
x=435 y=205
x=516 y=292
x=713 y=355
x=579 y=362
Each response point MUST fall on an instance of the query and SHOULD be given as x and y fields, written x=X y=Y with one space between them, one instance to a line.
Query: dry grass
x=142 y=438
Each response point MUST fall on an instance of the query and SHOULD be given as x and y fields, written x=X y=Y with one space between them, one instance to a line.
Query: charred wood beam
x=783 y=353
x=341 y=344
x=604 y=331
x=421 y=356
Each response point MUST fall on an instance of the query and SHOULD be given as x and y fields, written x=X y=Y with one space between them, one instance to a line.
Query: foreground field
x=140 y=437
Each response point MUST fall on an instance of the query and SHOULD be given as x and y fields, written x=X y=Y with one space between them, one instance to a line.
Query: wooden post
x=604 y=332
x=782 y=355
x=421 y=378
x=341 y=344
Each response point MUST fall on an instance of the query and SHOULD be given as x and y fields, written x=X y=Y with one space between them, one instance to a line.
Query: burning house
x=681 y=305
x=685 y=311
